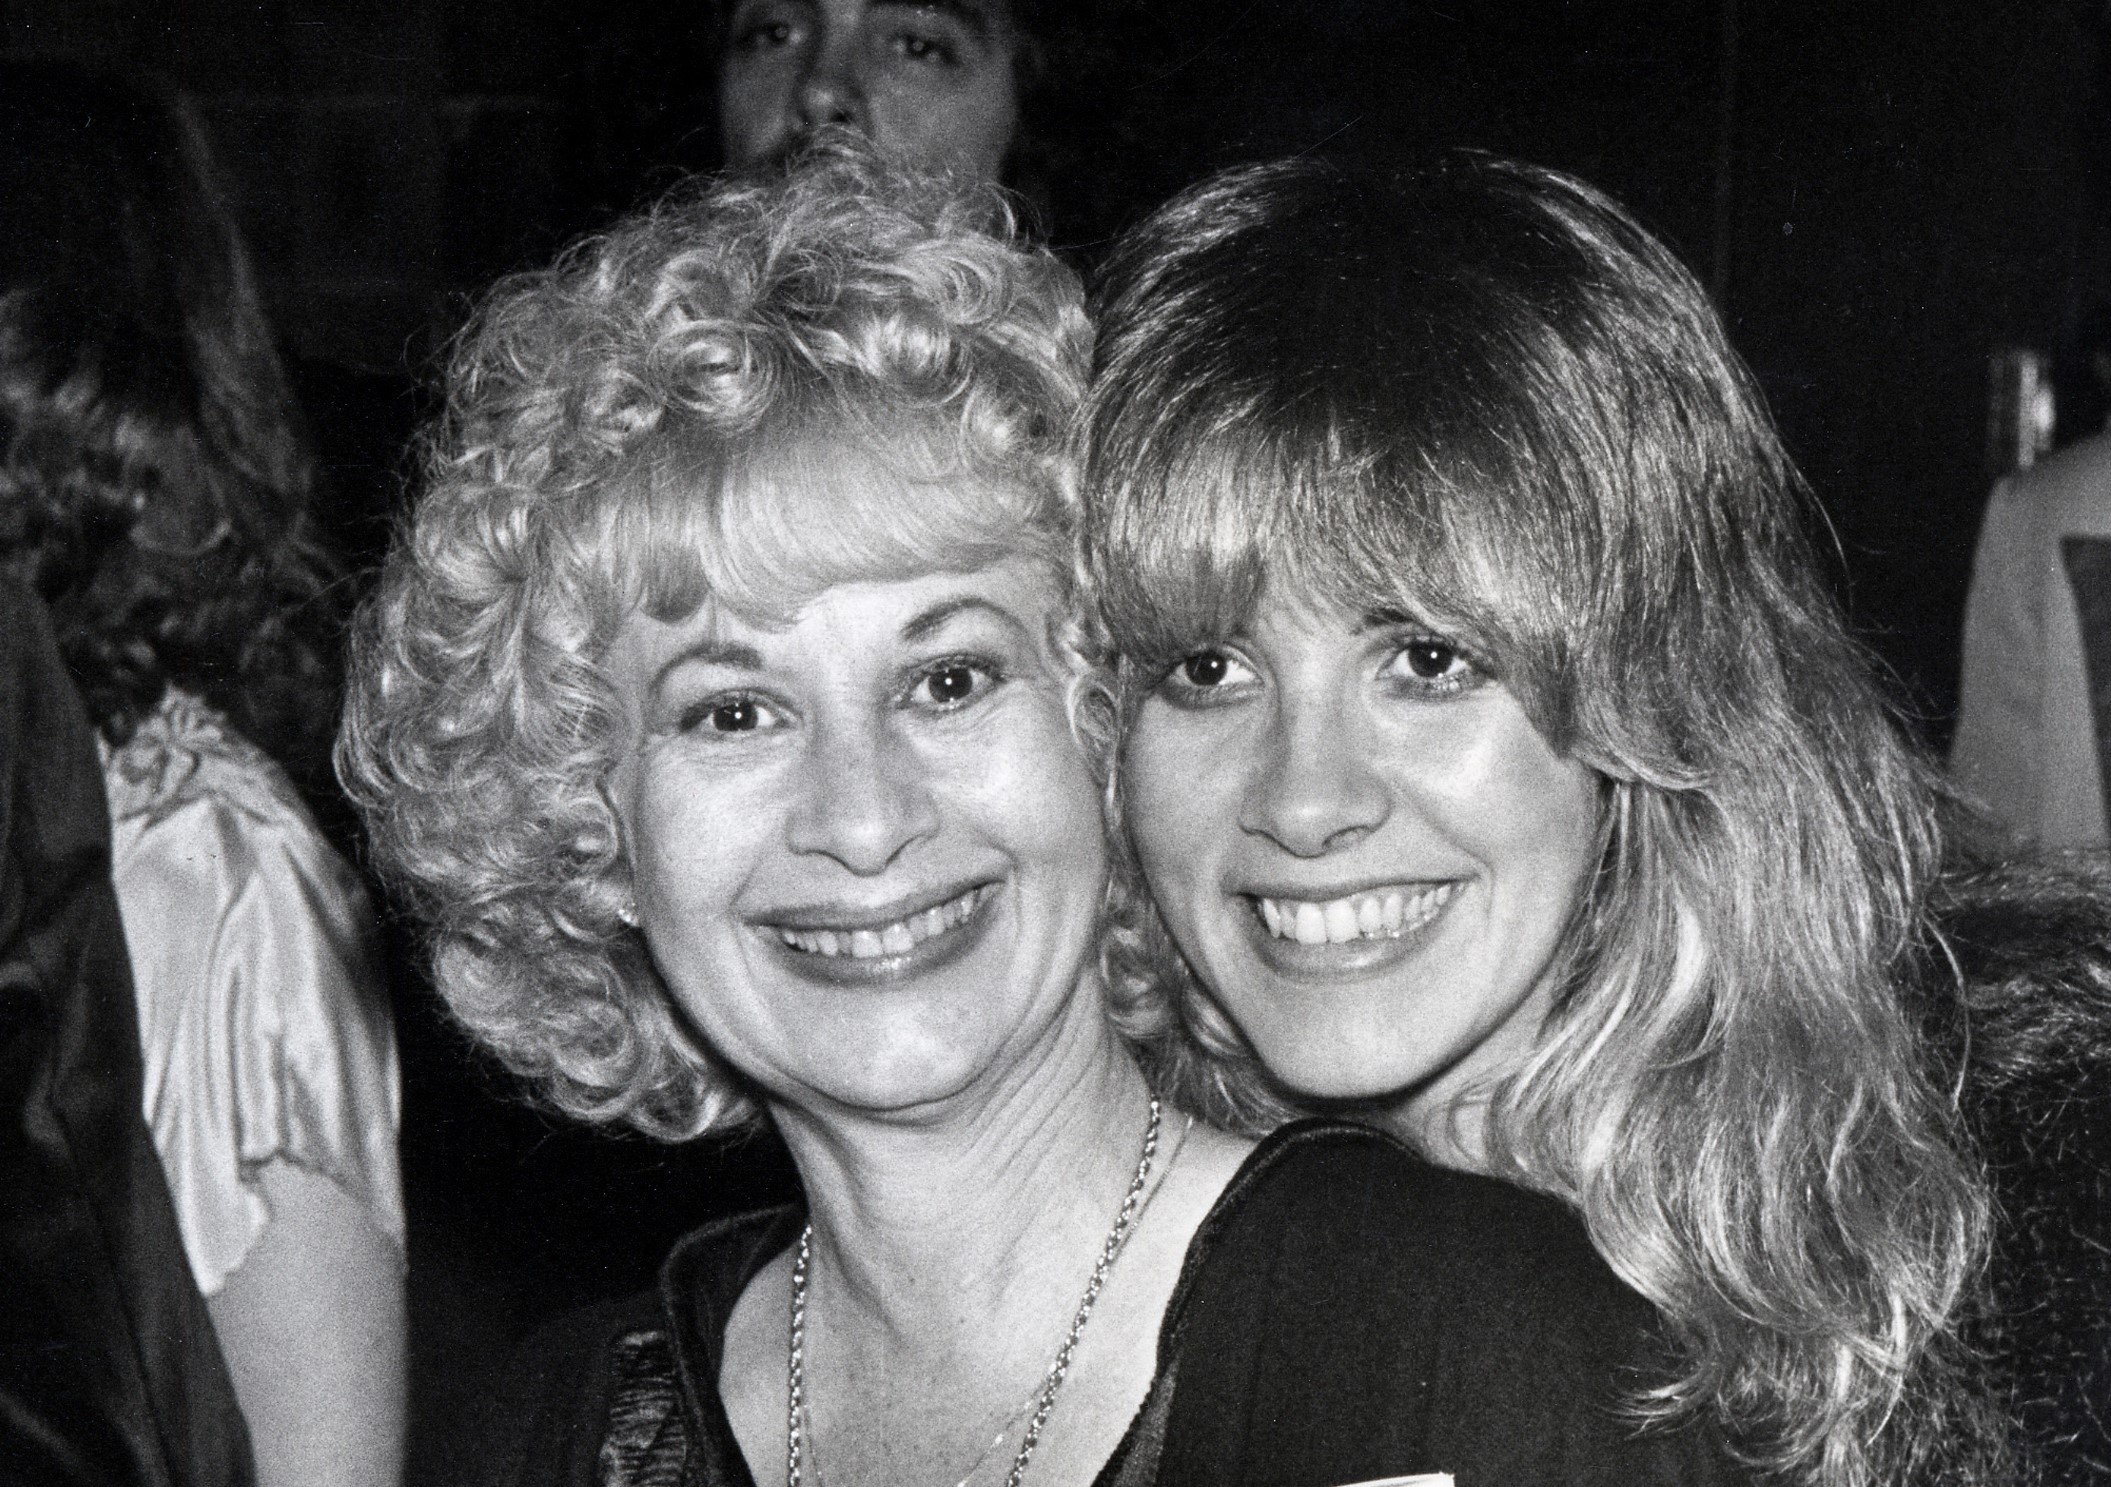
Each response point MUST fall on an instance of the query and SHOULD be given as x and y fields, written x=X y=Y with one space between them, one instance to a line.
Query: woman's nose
x=1314 y=791
x=865 y=798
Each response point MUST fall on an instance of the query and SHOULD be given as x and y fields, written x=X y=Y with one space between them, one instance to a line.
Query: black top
x=1346 y=1313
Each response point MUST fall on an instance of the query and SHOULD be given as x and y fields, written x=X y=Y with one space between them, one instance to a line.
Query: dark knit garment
x=1346 y=1313
x=2032 y=947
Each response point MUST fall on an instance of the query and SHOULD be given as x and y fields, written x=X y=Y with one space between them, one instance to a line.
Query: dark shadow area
x=517 y=1216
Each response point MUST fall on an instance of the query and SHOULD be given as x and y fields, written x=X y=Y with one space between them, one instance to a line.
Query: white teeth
x=1341 y=921
x=1386 y=913
x=898 y=938
x=1311 y=925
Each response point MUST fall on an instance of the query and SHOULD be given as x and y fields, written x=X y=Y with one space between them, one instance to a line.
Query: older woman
x=714 y=711
x=1503 y=771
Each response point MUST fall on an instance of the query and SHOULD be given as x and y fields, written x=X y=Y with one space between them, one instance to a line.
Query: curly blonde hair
x=1480 y=391
x=603 y=420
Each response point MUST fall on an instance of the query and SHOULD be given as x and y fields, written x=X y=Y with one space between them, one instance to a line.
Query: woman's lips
x=1355 y=935
x=1388 y=913
x=896 y=950
x=897 y=937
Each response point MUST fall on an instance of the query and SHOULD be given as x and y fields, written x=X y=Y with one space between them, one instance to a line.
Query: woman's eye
x=1432 y=665
x=735 y=714
x=1207 y=674
x=950 y=683
x=1429 y=659
x=1206 y=670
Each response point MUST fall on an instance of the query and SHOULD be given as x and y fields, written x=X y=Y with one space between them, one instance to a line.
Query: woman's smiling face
x=1363 y=846
x=867 y=849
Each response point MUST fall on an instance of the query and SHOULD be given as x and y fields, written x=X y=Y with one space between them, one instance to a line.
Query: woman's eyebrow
x=939 y=615
x=711 y=650
x=1388 y=617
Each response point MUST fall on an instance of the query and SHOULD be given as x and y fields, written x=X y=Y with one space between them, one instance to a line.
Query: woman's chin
x=895 y=1079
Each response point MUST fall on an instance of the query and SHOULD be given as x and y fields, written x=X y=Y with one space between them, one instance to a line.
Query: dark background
x=1881 y=195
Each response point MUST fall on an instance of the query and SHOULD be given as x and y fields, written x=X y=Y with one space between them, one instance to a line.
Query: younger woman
x=1504 y=773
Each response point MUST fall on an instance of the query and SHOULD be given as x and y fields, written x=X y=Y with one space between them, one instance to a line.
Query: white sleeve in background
x=264 y=1027
x=2026 y=742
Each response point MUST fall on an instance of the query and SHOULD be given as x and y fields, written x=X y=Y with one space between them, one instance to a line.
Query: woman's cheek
x=1168 y=802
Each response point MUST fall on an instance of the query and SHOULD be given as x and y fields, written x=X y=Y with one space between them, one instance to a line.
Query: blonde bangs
x=839 y=499
x=1184 y=547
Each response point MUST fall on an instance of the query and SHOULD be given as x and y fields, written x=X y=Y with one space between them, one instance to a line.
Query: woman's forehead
x=764 y=534
x=1021 y=592
x=1015 y=601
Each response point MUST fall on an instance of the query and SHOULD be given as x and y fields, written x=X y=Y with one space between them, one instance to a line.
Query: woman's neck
x=921 y=1222
x=949 y=1262
x=1448 y=1135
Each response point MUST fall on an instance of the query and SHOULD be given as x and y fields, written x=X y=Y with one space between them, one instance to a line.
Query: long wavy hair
x=156 y=485
x=1481 y=391
x=612 y=430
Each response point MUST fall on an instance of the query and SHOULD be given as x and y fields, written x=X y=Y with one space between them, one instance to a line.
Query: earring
x=627 y=911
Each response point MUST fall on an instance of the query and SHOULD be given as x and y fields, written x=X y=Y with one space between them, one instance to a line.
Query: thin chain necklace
x=1058 y=1370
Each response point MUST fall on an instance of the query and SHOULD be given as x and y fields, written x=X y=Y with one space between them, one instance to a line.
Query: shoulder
x=1410 y=1319
x=198 y=814
x=1347 y=1242
x=2024 y=949
x=1357 y=1201
x=185 y=752
x=2031 y=947
x=621 y=1391
x=2071 y=491
x=545 y=1422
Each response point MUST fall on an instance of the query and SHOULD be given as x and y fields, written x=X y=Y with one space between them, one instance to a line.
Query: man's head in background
x=1053 y=98
x=937 y=83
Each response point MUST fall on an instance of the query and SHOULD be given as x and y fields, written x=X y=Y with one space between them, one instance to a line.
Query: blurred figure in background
x=109 y=1375
x=2034 y=702
x=937 y=85
x=1034 y=94
x=155 y=491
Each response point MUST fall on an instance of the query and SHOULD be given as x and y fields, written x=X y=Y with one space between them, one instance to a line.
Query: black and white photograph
x=1055 y=743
